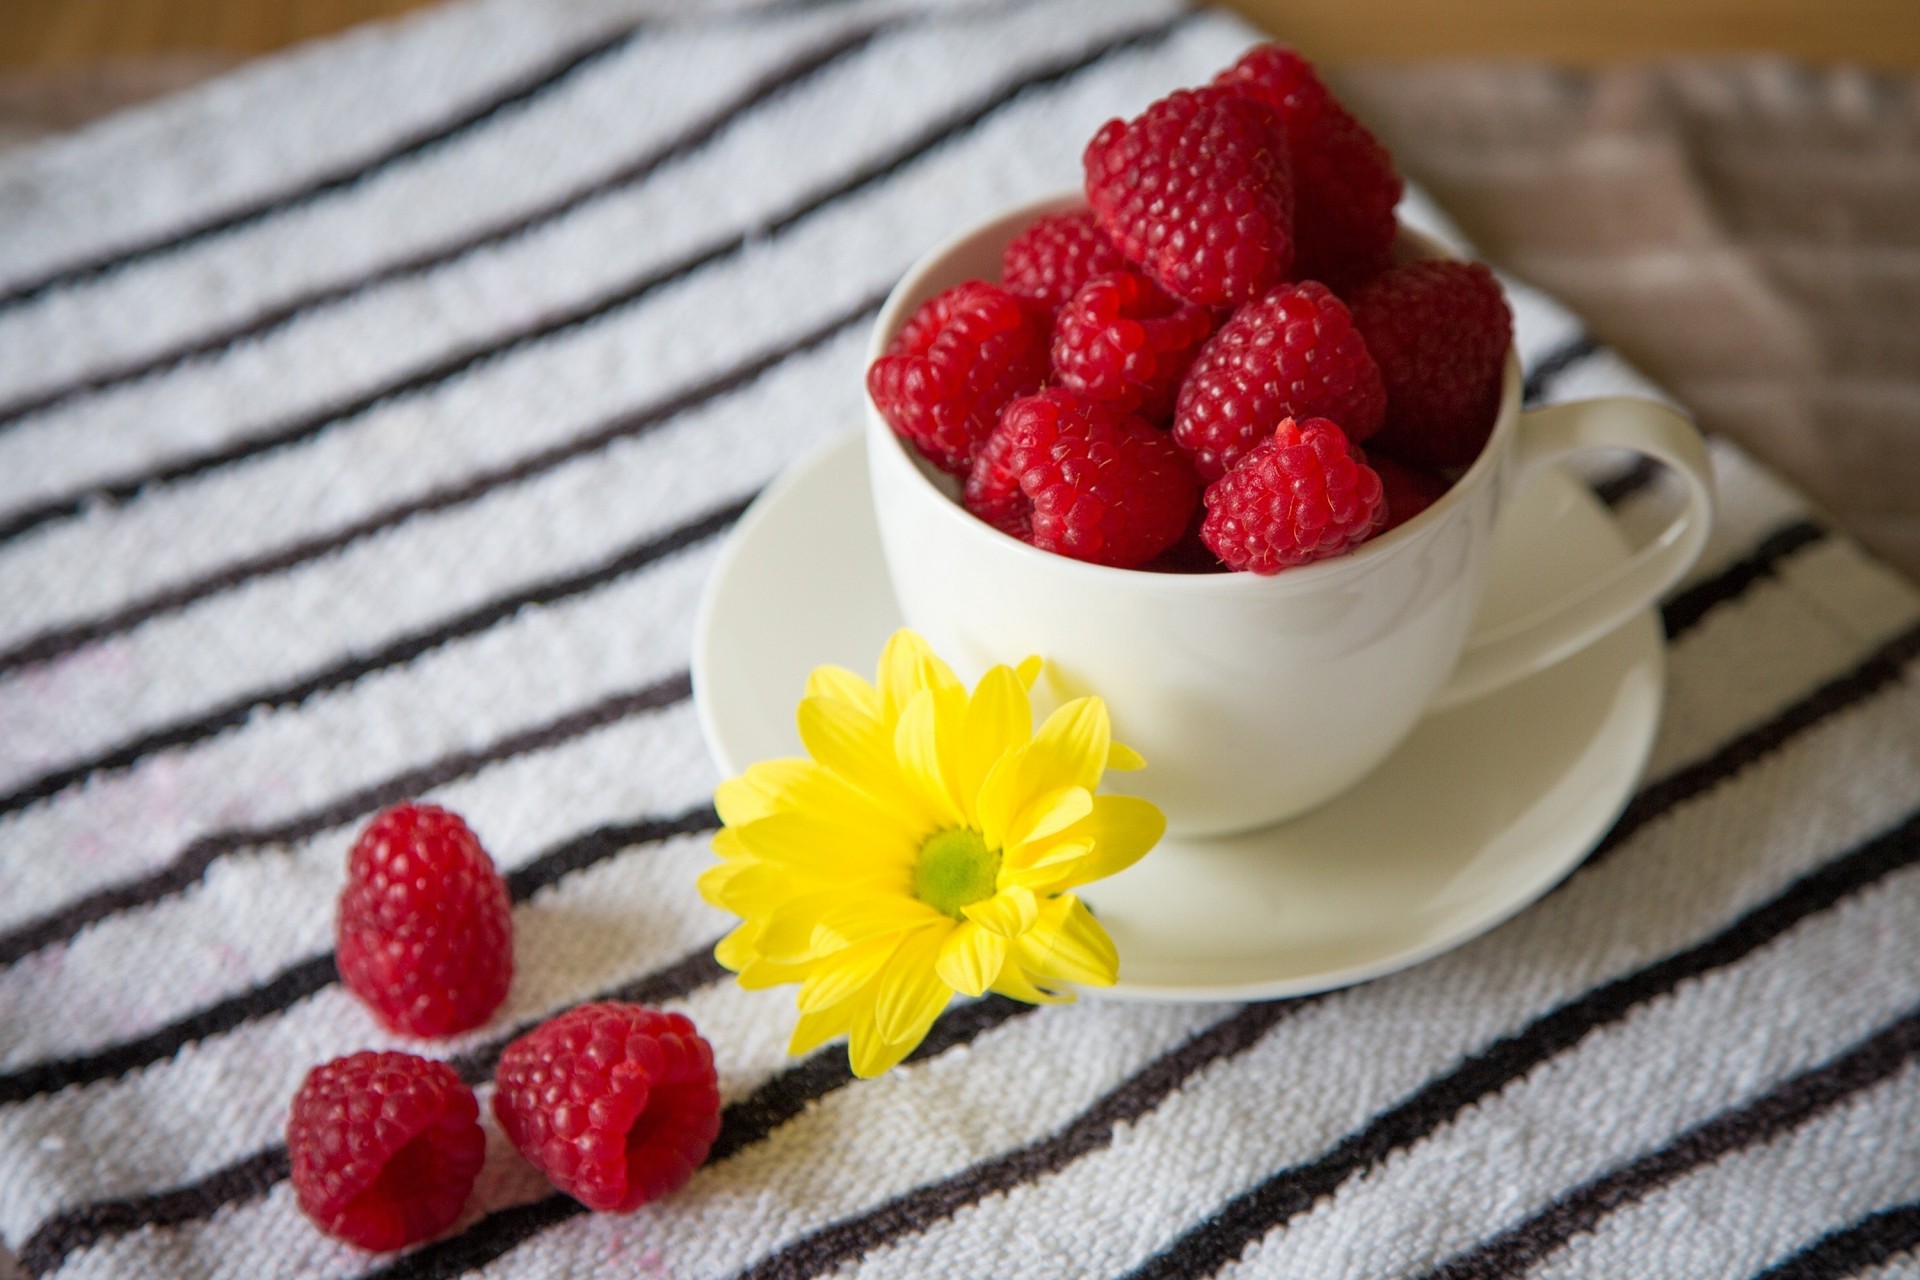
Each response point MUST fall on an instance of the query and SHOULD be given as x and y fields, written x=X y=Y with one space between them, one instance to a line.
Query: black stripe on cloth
x=491 y=613
x=1682 y=613
x=254 y=1176
x=824 y=1250
x=1877 y=1238
x=742 y=1124
x=766 y=89
x=519 y=92
x=1780 y=1110
x=305 y=977
x=1250 y=1216
x=1881 y=669
x=186 y=867
x=1552 y=364
x=55 y=642
x=462 y=359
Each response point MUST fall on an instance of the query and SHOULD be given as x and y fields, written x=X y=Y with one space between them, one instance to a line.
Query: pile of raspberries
x=1180 y=376
x=615 y=1103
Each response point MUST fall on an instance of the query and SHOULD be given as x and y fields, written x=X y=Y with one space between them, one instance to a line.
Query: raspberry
x=1197 y=190
x=1299 y=495
x=993 y=487
x=424 y=931
x=1074 y=477
x=1439 y=332
x=1292 y=354
x=1345 y=187
x=1051 y=259
x=616 y=1103
x=955 y=365
x=1408 y=490
x=384 y=1148
x=1123 y=340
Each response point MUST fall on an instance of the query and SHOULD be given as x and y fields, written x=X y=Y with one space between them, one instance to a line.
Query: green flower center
x=955 y=870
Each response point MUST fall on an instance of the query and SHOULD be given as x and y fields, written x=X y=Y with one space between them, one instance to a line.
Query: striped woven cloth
x=369 y=423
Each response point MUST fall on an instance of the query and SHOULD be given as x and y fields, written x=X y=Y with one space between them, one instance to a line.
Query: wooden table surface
x=1883 y=33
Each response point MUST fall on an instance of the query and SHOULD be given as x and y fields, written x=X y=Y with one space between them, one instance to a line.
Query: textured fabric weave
x=370 y=422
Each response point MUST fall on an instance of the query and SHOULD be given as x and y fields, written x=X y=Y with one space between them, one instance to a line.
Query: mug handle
x=1503 y=654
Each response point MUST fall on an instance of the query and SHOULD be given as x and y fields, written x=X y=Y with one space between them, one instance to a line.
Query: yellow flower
x=927 y=847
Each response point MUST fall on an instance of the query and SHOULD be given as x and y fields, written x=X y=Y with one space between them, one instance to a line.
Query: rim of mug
x=1403 y=538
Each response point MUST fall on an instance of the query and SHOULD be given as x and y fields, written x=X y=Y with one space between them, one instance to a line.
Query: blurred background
x=1728 y=190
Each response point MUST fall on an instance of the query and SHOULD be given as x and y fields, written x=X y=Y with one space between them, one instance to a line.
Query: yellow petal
x=998 y=719
x=1066 y=944
x=994 y=804
x=1029 y=669
x=727 y=845
x=845 y=972
x=855 y=746
x=1122 y=828
x=755 y=793
x=868 y=915
x=815 y=1029
x=871 y=1055
x=1074 y=743
x=916 y=745
x=1009 y=913
x=1124 y=759
x=755 y=890
x=843 y=685
x=761 y=974
x=907 y=666
x=712 y=883
x=1015 y=985
x=971 y=958
x=820 y=847
x=1048 y=815
x=1070 y=750
x=787 y=933
x=735 y=951
x=1048 y=873
x=804 y=786
x=911 y=994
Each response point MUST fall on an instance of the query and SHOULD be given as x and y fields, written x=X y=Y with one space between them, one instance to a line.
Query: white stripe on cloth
x=1756 y=1207
x=564 y=139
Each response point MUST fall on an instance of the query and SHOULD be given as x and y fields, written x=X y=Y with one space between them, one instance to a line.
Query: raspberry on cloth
x=615 y=1103
x=424 y=928
x=384 y=1148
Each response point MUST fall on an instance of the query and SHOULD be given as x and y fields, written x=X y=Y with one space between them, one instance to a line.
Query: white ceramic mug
x=1255 y=698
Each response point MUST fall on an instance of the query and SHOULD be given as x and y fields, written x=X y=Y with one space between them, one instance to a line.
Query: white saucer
x=1481 y=811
